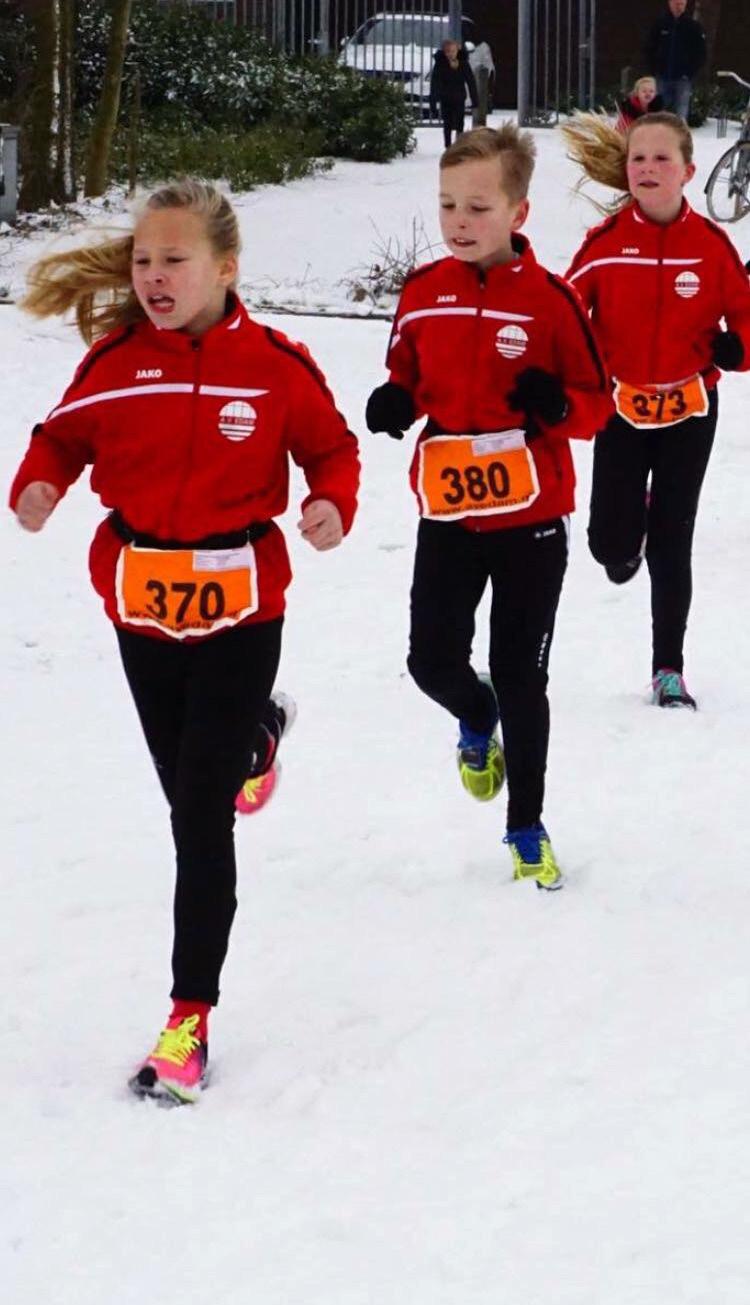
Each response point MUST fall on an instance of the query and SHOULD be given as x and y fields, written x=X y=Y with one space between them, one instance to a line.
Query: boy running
x=498 y=354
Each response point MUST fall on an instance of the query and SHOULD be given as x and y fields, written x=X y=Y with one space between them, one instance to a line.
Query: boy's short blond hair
x=642 y=82
x=514 y=149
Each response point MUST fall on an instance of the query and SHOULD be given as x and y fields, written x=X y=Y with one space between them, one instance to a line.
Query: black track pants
x=525 y=566
x=452 y=115
x=676 y=458
x=200 y=706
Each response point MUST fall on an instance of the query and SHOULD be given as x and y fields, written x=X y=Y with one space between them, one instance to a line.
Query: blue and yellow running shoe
x=481 y=763
x=533 y=857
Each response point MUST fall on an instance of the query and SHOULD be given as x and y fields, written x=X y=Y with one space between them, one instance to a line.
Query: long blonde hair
x=602 y=151
x=94 y=280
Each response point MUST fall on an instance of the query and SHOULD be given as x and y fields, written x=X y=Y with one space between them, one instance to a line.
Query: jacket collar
x=501 y=273
x=215 y=338
x=640 y=217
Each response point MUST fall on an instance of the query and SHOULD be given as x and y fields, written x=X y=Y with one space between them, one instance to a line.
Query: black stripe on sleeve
x=584 y=323
x=728 y=244
x=591 y=237
x=286 y=346
x=412 y=276
x=422 y=271
x=110 y=342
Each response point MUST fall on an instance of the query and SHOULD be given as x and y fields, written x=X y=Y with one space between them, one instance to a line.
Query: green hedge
x=213 y=74
x=218 y=94
x=267 y=155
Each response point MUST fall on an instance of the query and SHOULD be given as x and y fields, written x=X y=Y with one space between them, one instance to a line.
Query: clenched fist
x=320 y=524
x=35 y=504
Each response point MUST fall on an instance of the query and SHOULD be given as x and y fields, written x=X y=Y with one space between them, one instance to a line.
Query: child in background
x=498 y=354
x=187 y=411
x=659 y=280
x=642 y=99
x=452 y=78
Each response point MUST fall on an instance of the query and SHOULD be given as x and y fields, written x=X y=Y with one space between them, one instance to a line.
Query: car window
x=428 y=32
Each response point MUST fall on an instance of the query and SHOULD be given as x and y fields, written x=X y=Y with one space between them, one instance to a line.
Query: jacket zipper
x=188 y=465
x=477 y=343
x=659 y=303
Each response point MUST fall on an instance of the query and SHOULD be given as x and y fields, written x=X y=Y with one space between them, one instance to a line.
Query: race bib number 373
x=652 y=406
x=466 y=475
x=186 y=592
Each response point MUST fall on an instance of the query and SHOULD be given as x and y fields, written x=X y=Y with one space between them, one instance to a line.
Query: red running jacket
x=657 y=294
x=189 y=437
x=460 y=338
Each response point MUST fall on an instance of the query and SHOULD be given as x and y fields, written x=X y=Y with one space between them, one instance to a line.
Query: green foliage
x=217 y=100
x=361 y=117
x=716 y=100
x=216 y=72
x=196 y=73
x=264 y=155
x=702 y=103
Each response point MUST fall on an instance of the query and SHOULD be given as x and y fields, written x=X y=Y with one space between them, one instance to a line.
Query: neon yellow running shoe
x=481 y=764
x=533 y=857
x=175 y=1072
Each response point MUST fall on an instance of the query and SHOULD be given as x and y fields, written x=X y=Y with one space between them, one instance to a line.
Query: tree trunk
x=37 y=124
x=100 y=141
x=64 y=181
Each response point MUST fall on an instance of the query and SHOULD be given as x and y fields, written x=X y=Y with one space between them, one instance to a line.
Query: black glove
x=727 y=350
x=538 y=393
x=390 y=408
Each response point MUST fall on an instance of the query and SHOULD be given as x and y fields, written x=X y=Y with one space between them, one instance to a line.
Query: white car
x=401 y=47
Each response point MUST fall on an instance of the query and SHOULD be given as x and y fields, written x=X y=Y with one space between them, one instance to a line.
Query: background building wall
x=621 y=30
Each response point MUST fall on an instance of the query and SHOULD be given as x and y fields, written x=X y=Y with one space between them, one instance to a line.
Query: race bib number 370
x=653 y=406
x=186 y=592
x=466 y=475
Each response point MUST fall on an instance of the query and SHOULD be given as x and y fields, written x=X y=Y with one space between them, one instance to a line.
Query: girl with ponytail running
x=187 y=412
x=670 y=301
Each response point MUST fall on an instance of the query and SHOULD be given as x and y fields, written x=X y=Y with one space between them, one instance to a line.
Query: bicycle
x=728 y=186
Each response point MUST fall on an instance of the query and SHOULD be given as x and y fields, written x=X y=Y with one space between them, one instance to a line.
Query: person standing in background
x=452 y=78
x=675 y=53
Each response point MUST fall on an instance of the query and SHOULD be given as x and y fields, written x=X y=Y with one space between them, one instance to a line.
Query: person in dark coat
x=675 y=53
x=451 y=79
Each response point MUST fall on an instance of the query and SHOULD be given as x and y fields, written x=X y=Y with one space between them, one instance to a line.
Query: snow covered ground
x=430 y=1084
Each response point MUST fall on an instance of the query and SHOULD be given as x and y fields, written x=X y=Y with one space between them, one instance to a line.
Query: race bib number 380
x=186 y=592
x=653 y=406
x=465 y=475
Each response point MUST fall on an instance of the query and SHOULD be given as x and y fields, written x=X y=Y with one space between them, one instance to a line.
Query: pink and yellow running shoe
x=176 y=1071
x=261 y=783
x=256 y=791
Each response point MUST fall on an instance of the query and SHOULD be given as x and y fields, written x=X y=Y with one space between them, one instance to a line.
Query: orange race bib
x=652 y=406
x=464 y=475
x=186 y=591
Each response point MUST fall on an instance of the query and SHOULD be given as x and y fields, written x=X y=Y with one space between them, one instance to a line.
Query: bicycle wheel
x=728 y=187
